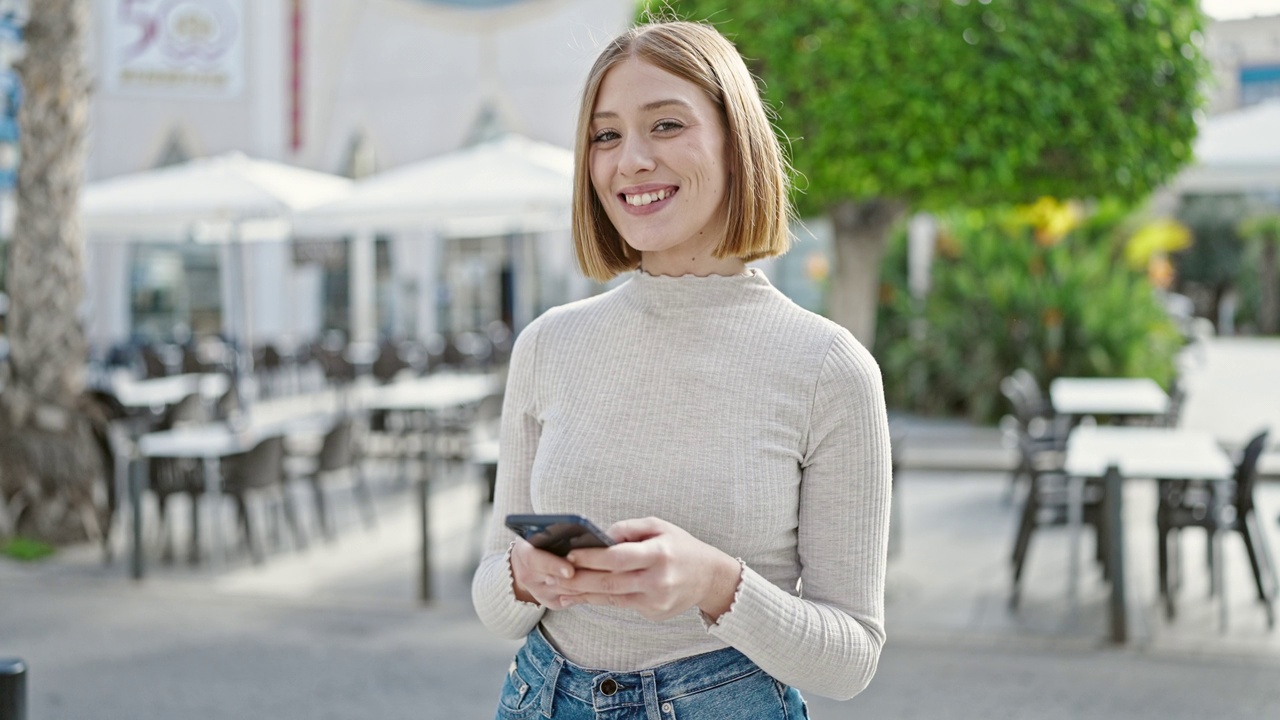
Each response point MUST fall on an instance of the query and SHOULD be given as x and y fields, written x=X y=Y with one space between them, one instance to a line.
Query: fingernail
x=549 y=581
x=567 y=601
x=571 y=558
x=566 y=572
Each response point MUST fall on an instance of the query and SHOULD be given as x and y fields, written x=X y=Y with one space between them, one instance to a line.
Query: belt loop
x=549 y=687
x=650 y=695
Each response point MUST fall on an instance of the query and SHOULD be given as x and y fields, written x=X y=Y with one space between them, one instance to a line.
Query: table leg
x=213 y=482
x=1215 y=547
x=1075 y=522
x=137 y=477
x=425 y=592
x=1112 y=512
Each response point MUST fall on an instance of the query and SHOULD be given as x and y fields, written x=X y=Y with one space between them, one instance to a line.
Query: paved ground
x=336 y=632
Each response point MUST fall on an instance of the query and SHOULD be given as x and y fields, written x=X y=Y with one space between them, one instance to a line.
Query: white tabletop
x=433 y=392
x=1146 y=452
x=158 y=392
x=1108 y=396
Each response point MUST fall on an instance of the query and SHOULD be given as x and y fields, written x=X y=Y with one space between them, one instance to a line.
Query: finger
x=540 y=562
x=637 y=529
x=593 y=582
x=623 y=557
x=629 y=601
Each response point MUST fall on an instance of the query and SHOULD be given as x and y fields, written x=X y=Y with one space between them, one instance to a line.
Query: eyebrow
x=656 y=104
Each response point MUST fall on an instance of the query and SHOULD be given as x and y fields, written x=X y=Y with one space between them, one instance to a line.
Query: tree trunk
x=48 y=461
x=1269 y=300
x=861 y=234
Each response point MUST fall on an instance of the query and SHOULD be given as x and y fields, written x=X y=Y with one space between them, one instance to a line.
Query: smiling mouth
x=643 y=199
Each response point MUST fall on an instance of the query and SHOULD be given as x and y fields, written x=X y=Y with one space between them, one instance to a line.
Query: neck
x=700 y=265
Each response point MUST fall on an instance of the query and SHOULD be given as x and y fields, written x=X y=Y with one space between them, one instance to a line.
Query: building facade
x=351 y=87
x=1245 y=59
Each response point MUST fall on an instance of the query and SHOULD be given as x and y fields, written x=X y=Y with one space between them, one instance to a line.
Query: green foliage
x=1215 y=258
x=1005 y=295
x=26 y=549
x=972 y=102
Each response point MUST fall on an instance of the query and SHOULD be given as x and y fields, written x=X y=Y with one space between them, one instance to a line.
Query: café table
x=212 y=441
x=1115 y=454
x=432 y=394
x=1118 y=397
x=159 y=392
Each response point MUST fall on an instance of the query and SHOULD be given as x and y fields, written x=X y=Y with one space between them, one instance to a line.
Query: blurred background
x=262 y=263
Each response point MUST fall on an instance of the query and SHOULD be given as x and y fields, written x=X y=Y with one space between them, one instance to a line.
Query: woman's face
x=658 y=164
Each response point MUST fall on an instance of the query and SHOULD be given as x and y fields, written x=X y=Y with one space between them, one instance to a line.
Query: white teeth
x=646 y=198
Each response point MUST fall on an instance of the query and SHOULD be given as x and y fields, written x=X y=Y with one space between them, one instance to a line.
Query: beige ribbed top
x=717 y=404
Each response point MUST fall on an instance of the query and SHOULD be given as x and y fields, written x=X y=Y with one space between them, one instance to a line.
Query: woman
x=737 y=443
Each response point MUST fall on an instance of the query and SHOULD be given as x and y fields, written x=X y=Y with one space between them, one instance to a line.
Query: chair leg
x=1022 y=542
x=322 y=511
x=1162 y=551
x=246 y=528
x=364 y=496
x=291 y=517
x=1263 y=584
x=193 y=550
x=166 y=537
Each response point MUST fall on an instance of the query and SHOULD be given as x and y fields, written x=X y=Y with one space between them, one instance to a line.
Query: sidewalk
x=336 y=631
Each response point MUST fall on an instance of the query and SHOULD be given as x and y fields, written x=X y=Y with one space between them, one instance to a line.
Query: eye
x=667 y=125
x=605 y=136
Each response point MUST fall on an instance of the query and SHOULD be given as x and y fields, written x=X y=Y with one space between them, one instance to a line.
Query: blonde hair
x=758 y=208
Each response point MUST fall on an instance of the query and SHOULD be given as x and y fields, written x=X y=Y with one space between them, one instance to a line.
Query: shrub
x=1047 y=287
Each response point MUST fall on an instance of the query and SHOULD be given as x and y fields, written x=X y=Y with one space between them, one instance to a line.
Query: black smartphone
x=558 y=534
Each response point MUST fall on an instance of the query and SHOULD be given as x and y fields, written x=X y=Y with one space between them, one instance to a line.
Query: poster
x=174 y=48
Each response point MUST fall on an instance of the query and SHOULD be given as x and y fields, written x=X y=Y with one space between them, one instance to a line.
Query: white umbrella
x=206 y=199
x=509 y=185
x=228 y=199
x=1237 y=152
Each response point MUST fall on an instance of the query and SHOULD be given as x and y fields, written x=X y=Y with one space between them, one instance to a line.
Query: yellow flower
x=1154 y=239
x=817 y=267
x=1051 y=219
x=1160 y=272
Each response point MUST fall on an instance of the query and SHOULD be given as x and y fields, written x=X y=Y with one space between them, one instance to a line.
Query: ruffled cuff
x=496 y=603
x=755 y=600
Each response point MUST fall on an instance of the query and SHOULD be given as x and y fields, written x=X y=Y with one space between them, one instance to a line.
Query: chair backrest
x=1247 y=473
x=1030 y=388
x=262 y=466
x=337 y=451
x=187 y=411
x=1012 y=391
x=153 y=364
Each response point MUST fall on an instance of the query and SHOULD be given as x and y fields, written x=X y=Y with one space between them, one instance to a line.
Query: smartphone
x=558 y=534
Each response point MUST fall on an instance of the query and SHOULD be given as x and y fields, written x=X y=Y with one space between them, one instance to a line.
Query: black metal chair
x=178 y=476
x=1185 y=504
x=338 y=456
x=259 y=469
x=1047 y=503
x=1033 y=422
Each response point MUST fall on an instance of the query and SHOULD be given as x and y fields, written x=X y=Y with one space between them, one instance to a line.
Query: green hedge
x=1047 y=288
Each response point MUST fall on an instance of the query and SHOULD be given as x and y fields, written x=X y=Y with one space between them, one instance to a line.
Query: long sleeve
x=828 y=640
x=491 y=588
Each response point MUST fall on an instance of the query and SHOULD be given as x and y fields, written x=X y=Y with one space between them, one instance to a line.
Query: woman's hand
x=656 y=569
x=536 y=574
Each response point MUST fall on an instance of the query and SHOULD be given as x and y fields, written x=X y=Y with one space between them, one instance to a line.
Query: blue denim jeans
x=720 y=685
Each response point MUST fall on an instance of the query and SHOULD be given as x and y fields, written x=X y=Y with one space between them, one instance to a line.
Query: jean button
x=608 y=687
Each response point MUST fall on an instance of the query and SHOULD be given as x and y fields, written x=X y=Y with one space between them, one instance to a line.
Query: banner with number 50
x=174 y=48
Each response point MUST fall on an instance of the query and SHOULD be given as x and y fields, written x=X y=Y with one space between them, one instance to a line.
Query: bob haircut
x=758 y=208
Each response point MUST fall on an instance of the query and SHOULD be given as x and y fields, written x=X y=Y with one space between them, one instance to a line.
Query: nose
x=637 y=155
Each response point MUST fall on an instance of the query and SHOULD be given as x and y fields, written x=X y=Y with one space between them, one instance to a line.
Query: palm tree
x=49 y=461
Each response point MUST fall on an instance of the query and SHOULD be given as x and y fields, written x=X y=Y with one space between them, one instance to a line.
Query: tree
x=49 y=460
x=891 y=105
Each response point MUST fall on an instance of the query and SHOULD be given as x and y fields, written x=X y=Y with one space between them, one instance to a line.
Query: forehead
x=634 y=84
